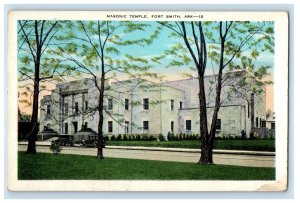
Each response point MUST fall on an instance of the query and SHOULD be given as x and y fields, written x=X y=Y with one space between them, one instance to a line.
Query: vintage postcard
x=147 y=101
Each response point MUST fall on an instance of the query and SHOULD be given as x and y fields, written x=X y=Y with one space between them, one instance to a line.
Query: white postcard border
x=280 y=104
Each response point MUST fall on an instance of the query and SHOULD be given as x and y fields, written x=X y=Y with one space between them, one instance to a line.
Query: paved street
x=227 y=157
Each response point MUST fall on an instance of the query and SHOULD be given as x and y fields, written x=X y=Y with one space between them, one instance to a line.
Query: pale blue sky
x=164 y=42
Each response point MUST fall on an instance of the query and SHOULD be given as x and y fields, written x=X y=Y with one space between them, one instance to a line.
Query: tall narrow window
x=126 y=104
x=48 y=109
x=66 y=109
x=110 y=104
x=146 y=126
x=256 y=122
x=85 y=125
x=66 y=128
x=146 y=103
x=86 y=105
x=188 y=125
x=218 y=124
x=110 y=126
x=260 y=124
x=76 y=108
x=172 y=104
x=172 y=126
x=248 y=110
x=180 y=105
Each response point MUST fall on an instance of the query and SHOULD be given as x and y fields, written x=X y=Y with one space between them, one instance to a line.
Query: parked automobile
x=64 y=140
x=92 y=141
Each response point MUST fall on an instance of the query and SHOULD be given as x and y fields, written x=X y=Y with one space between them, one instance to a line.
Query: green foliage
x=119 y=137
x=161 y=137
x=25 y=117
x=42 y=166
x=125 y=137
x=113 y=50
x=170 y=136
x=55 y=148
x=136 y=59
x=254 y=136
x=225 y=143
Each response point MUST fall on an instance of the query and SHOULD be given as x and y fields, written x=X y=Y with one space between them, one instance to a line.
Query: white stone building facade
x=142 y=107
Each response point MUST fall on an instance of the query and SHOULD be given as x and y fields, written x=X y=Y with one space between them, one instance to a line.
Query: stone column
x=83 y=110
x=60 y=112
x=252 y=110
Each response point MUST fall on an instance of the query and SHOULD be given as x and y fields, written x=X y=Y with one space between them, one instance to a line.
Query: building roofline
x=213 y=106
x=206 y=76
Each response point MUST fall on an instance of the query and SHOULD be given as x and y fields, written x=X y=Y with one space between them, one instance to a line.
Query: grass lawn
x=44 y=166
x=252 y=145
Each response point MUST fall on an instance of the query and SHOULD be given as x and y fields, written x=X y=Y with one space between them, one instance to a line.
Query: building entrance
x=75 y=127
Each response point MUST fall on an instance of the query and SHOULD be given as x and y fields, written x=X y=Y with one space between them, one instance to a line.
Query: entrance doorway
x=75 y=127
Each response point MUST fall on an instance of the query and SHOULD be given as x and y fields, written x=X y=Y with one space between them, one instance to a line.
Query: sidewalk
x=215 y=151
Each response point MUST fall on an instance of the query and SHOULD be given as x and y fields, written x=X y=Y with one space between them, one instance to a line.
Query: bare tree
x=93 y=49
x=34 y=39
x=227 y=42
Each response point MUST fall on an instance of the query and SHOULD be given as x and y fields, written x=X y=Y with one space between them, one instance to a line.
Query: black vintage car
x=92 y=141
x=64 y=140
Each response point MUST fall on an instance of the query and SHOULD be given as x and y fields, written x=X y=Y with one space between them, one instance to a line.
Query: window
x=86 y=105
x=145 y=126
x=188 y=125
x=110 y=126
x=66 y=109
x=273 y=126
x=85 y=125
x=48 y=109
x=146 y=103
x=76 y=108
x=75 y=127
x=172 y=126
x=260 y=124
x=110 y=104
x=256 y=122
x=263 y=124
x=172 y=104
x=248 y=110
x=126 y=104
x=180 y=105
x=66 y=128
x=218 y=124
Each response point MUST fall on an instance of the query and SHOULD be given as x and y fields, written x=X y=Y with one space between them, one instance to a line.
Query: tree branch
x=90 y=41
x=188 y=44
x=28 y=42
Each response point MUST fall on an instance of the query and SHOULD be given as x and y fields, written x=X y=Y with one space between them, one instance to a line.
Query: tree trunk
x=208 y=149
x=101 y=117
x=100 y=124
x=208 y=143
x=204 y=158
x=31 y=147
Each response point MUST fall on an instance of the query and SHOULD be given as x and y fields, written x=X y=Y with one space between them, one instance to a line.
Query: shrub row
x=177 y=137
x=253 y=136
x=135 y=137
x=170 y=137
